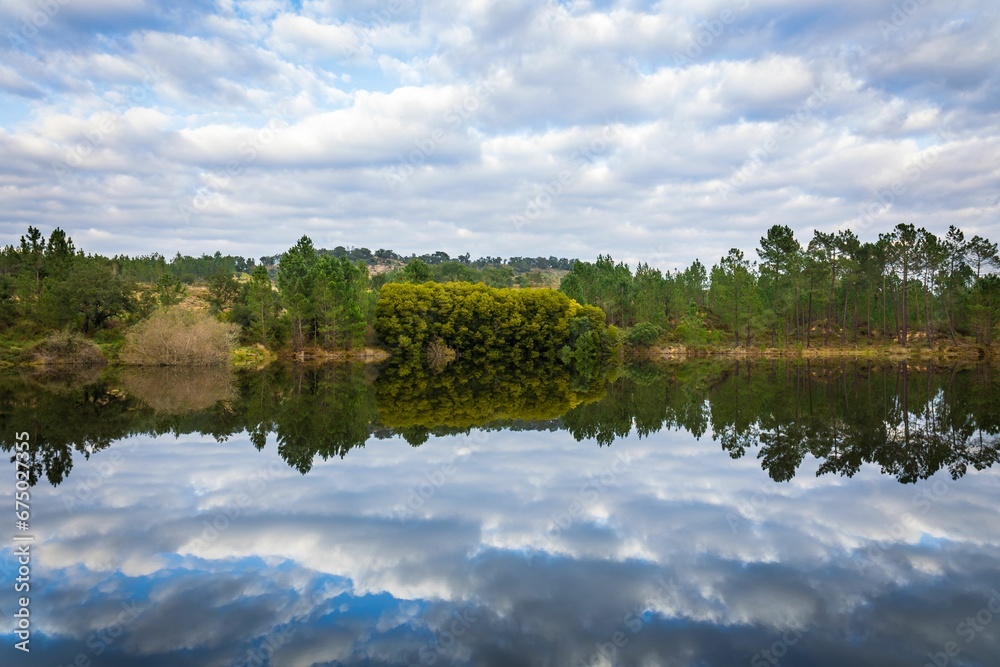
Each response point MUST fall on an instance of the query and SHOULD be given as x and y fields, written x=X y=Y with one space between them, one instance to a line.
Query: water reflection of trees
x=910 y=421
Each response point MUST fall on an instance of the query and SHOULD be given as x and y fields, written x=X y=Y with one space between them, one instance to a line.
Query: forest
x=908 y=287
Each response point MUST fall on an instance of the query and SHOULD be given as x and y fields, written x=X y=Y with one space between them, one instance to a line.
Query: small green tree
x=733 y=293
x=92 y=295
x=223 y=290
x=262 y=304
x=417 y=271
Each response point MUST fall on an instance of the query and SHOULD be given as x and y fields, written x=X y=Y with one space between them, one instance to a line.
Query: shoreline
x=893 y=353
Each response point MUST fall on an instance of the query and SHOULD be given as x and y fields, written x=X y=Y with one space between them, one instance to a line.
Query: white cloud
x=361 y=86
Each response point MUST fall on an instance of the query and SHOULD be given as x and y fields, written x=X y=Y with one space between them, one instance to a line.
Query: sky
x=717 y=561
x=656 y=132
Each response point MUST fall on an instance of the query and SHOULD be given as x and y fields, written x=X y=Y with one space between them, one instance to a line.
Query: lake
x=706 y=512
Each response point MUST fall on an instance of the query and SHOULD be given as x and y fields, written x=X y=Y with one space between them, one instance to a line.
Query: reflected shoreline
x=909 y=419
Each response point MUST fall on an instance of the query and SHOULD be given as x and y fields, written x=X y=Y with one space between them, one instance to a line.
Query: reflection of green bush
x=465 y=394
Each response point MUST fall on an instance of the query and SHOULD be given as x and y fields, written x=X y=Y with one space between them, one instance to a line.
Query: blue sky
x=658 y=132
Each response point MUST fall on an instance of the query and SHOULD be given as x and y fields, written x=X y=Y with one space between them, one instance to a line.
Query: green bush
x=693 y=331
x=511 y=326
x=644 y=334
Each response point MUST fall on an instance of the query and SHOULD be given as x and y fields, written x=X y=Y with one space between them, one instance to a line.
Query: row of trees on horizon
x=834 y=289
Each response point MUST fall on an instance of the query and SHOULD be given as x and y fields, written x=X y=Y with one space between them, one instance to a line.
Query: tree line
x=908 y=285
x=384 y=256
x=301 y=297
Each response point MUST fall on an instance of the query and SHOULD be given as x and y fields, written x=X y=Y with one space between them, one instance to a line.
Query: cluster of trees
x=645 y=296
x=303 y=297
x=909 y=284
x=517 y=265
x=419 y=271
x=48 y=284
x=478 y=322
x=326 y=297
x=155 y=268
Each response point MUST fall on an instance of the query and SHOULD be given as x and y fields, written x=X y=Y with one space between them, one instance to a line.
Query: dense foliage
x=47 y=285
x=908 y=285
x=498 y=325
x=467 y=394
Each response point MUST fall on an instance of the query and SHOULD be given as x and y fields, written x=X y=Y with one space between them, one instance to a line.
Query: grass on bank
x=642 y=342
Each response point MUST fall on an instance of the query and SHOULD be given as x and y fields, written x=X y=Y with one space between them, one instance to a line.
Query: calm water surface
x=703 y=513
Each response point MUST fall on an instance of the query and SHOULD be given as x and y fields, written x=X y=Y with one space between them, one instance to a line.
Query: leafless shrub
x=67 y=349
x=179 y=337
